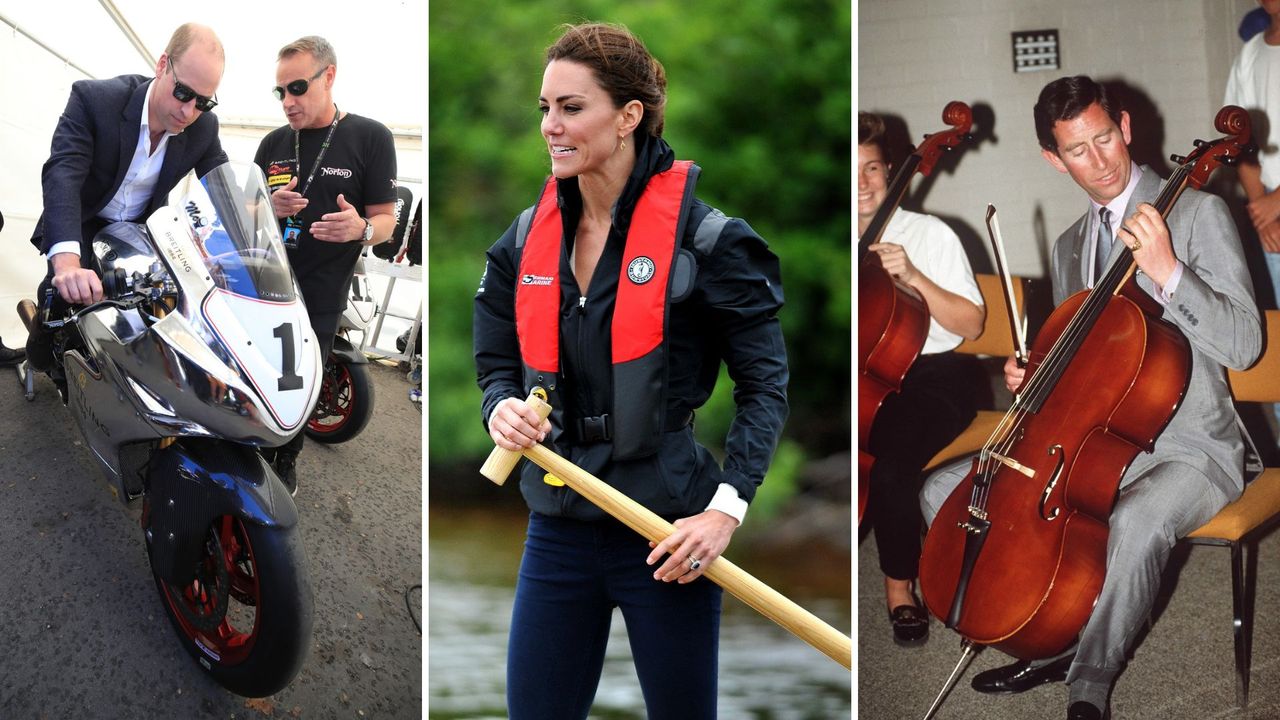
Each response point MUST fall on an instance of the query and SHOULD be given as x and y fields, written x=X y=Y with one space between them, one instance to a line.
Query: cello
x=893 y=320
x=1016 y=556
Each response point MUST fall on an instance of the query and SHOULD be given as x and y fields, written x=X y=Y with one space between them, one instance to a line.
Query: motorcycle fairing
x=146 y=383
x=221 y=241
x=107 y=419
x=274 y=352
x=188 y=373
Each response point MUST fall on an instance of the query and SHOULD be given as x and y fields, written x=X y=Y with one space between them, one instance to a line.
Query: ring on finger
x=694 y=563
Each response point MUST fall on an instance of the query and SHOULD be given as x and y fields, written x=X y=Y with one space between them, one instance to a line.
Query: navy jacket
x=93 y=143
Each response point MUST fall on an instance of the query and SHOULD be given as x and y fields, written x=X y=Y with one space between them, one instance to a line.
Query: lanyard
x=297 y=153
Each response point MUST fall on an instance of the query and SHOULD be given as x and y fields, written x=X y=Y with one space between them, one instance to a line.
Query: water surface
x=766 y=673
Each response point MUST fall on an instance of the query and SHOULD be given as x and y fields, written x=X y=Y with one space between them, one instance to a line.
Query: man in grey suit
x=1195 y=268
x=119 y=147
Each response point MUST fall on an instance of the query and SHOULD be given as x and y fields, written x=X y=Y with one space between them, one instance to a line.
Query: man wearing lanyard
x=333 y=180
x=119 y=147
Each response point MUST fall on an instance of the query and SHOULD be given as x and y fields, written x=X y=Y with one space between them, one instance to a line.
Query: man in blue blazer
x=120 y=146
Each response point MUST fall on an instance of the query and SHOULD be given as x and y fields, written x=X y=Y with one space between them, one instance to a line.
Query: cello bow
x=1017 y=320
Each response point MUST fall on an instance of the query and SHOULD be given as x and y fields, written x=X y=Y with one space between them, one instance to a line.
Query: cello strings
x=1063 y=351
x=1064 y=348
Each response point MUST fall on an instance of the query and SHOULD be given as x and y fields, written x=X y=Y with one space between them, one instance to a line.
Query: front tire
x=346 y=403
x=246 y=615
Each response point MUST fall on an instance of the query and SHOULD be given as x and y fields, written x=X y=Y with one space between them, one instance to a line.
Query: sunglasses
x=184 y=94
x=297 y=88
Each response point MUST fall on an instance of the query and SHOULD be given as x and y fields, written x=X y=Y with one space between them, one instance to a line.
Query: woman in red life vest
x=938 y=397
x=621 y=294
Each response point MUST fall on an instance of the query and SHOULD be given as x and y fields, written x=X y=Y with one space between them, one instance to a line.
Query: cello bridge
x=1013 y=464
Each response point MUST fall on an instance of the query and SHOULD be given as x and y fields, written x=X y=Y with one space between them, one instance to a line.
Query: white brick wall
x=915 y=57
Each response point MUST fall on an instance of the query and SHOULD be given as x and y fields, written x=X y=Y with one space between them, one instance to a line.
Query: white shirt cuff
x=66 y=246
x=1165 y=294
x=726 y=500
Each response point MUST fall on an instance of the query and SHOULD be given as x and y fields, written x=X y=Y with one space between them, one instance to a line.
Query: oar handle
x=735 y=580
x=498 y=466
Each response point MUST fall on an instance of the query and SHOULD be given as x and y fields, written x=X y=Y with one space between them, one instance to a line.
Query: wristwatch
x=368 y=231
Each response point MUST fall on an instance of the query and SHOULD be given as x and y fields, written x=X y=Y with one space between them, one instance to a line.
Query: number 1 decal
x=290 y=380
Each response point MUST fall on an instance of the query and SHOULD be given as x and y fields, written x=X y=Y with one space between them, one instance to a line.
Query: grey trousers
x=1155 y=508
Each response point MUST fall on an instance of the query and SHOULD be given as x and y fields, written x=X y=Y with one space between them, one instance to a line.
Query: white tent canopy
x=44 y=47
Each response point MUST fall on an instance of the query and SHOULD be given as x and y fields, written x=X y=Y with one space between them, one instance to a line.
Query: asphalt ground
x=82 y=630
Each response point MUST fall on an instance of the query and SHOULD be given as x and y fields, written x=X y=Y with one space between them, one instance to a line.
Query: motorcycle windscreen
x=221 y=240
x=235 y=231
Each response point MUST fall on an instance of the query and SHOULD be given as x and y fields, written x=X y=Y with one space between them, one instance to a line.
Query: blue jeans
x=571 y=577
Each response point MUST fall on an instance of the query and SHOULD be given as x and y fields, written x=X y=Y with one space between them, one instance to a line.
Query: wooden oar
x=764 y=599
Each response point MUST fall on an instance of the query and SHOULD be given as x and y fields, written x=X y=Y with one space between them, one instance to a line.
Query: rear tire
x=346 y=403
x=246 y=616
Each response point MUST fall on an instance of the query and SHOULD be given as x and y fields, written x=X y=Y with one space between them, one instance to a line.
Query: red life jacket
x=638 y=350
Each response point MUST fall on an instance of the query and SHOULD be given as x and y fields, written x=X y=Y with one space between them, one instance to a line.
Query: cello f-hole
x=1053 y=482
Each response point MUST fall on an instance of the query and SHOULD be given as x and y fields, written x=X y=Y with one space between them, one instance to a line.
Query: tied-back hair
x=1064 y=99
x=319 y=48
x=621 y=64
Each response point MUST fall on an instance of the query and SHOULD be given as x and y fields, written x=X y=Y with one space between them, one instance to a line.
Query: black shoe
x=286 y=466
x=11 y=356
x=1083 y=710
x=40 y=349
x=910 y=625
x=1020 y=676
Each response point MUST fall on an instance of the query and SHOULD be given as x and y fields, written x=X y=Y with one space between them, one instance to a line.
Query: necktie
x=1105 y=239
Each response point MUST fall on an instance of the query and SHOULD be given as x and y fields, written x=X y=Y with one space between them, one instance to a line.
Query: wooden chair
x=996 y=340
x=1239 y=525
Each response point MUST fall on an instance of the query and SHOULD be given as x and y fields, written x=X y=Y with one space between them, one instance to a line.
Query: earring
x=624 y=144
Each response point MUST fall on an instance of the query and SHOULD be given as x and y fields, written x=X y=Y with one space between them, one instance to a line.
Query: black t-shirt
x=360 y=164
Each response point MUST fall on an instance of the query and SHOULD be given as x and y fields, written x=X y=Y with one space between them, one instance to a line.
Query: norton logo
x=640 y=271
x=340 y=172
x=535 y=280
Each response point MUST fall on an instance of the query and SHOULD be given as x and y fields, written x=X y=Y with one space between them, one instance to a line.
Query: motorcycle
x=199 y=353
x=346 y=388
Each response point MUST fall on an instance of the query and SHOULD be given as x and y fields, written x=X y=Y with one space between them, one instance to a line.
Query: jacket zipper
x=582 y=311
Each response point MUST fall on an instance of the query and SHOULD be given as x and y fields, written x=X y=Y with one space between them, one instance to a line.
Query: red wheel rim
x=335 y=406
x=231 y=641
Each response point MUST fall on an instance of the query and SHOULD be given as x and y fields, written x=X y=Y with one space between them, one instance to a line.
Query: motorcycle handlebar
x=120 y=292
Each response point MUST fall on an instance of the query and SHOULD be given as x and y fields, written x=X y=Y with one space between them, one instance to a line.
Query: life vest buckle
x=598 y=428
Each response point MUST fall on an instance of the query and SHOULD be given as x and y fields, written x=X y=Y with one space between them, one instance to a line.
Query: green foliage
x=456 y=429
x=758 y=95
x=779 y=483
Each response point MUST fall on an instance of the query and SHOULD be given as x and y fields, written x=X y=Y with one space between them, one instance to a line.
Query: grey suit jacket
x=1214 y=308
